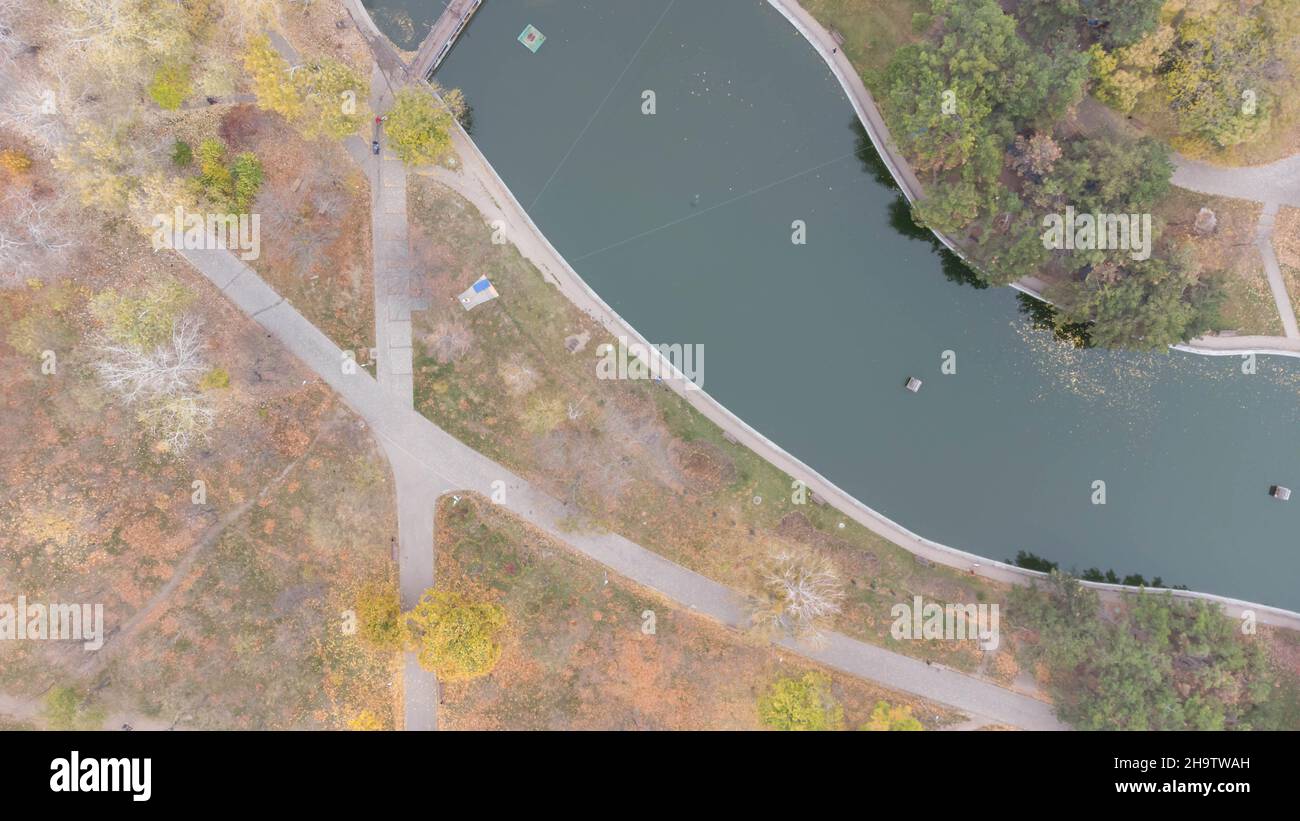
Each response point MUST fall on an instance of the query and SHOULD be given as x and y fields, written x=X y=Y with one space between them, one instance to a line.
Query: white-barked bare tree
x=801 y=592
x=162 y=382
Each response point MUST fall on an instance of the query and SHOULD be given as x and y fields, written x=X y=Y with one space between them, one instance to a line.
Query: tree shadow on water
x=900 y=213
x=1039 y=313
x=1044 y=317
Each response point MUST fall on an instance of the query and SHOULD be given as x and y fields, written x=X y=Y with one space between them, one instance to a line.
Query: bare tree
x=162 y=381
x=31 y=107
x=118 y=35
x=13 y=255
x=10 y=42
x=180 y=421
x=1033 y=157
x=329 y=203
x=246 y=17
x=165 y=372
x=449 y=341
x=801 y=592
x=575 y=409
x=42 y=229
x=307 y=244
x=279 y=215
x=30 y=239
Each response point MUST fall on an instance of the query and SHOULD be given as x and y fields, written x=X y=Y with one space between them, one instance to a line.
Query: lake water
x=682 y=220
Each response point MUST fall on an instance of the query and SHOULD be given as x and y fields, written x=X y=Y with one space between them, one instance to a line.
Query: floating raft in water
x=532 y=38
x=1279 y=492
x=913 y=384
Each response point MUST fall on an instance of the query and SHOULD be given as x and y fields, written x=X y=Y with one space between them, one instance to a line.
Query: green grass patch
x=872 y=30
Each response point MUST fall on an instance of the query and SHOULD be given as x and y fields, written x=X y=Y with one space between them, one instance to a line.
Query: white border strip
x=775 y=455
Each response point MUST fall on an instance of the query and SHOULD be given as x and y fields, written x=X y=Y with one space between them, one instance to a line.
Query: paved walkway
x=391 y=254
x=385 y=54
x=1272 y=185
x=1264 y=241
x=393 y=268
x=428 y=462
x=416 y=497
x=1277 y=182
x=478 y=182
x=391 y=261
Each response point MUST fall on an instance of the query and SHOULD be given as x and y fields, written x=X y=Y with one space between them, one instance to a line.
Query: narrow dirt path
x=96 y=662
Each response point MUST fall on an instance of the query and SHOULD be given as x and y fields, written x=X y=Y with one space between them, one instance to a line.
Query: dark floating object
x=1279 y=492
x=914 y=385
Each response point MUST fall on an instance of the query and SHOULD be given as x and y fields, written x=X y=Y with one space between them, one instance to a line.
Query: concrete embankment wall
x=550 y=261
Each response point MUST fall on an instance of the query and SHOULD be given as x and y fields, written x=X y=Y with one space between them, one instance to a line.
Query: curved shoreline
x=495 y=199
x=869 y=115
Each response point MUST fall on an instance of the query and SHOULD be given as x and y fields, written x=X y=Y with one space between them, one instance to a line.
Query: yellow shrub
x=15 y=161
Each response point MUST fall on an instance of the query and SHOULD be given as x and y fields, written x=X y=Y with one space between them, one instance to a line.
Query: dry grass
x=1249 y=307
x=576 y=655
x=315 y=218
x=1291 y=276
x=1286 y=236
x=94 y=511
x=637 y=460
x=312 y=29
x=254 y=639
x=1286 y=242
